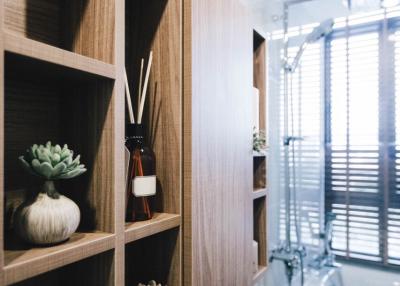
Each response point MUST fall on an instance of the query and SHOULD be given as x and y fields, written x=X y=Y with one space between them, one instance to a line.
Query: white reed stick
x=140 y=86
x=146 y=81
x=128 y=99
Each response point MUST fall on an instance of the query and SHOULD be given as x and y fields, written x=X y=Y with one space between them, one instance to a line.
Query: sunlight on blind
x=353 y=172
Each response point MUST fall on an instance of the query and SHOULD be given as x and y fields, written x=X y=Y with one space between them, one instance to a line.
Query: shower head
x=323 y=30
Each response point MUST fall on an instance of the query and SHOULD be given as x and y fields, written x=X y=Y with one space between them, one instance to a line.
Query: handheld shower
x=324 y=29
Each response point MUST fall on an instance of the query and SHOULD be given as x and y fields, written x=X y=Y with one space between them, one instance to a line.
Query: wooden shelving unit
x=24 y=263
x=260 y=273
x=260 y=190
x=39 y=51
x=63 y=64
x=160 y=222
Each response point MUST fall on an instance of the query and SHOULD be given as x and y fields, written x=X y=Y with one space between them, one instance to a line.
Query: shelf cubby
x=94 y=270
x=23 y=261
x=153 y=248
x=153 y=258
x=48 y=102
x=159 y=223
x=69 y=25
x=260 y=159
x=260 y=229
x=259 y=193
x=35 y=50
x=260 y=273
x=259 y=172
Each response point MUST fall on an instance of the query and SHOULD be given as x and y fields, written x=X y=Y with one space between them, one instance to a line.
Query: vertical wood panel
x=259 y=76
x=187 y=144
x=1 y=145
x=119 y=143
x=221 y=152
x=89 y=28
x=37 y=20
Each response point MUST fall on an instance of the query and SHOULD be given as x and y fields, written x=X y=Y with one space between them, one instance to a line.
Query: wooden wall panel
x=82 y=26
x=260 y=229
x=89 y=28
x=119 y=143
x=221 y=147
x=260 y=76
x=1 y=145
x=37 y=20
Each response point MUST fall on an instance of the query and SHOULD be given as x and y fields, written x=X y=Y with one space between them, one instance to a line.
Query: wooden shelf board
x=160 y=222
x=260 y=273
x=258 y=155
x=47 y=53
x=22 y=263
x=258 y=193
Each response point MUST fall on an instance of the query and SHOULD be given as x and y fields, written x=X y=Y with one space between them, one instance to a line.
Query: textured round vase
x=49 y=219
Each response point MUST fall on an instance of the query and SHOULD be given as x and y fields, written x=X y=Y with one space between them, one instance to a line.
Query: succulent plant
x=52 y=162
x=259 y=141
x=151 y=283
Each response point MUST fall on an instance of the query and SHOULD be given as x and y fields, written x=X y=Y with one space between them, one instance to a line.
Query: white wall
x=367 y=276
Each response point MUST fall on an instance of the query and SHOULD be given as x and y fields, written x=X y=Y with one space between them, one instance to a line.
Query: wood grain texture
x=156 y=25
x=260 y=229
x=119 y=143
x=75 y=112
x=221 y=153
x=259 y=172
x=71 y=25
x=260 y=162
x=152 y=258
x=21 y=264
x=187 y=240
x=37 y=50
x=38 y=20
x=89 y=271
x=159 y=223
x=89 y=28
x=89 y=131
x=2 y=102
x=260 y=75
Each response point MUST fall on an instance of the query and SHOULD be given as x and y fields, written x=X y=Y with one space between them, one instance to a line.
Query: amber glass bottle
x=141 y=186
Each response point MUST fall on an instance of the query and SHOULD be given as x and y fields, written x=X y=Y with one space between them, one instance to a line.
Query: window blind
x=363 y=137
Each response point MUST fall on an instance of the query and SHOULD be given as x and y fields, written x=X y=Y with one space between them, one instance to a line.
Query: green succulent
x=52 y=162
x=259 y=141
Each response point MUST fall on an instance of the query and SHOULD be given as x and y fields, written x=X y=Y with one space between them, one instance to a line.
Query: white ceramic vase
x=49 y=219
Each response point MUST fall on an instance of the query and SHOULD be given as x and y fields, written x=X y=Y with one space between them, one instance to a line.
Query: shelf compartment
x=71 y=25
x=159 y=223
x=259 y=193
x=260 y=228
x=43 y=52
x=23 y=262
x=153 y=258
x=259 y=172
x=94 y=270
x=42 y=103
x=260 y=274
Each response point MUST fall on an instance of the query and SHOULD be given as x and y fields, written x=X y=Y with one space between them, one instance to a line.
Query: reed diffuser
x=141 y=181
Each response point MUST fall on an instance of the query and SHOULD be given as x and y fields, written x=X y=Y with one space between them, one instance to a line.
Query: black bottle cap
x=135 y=130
